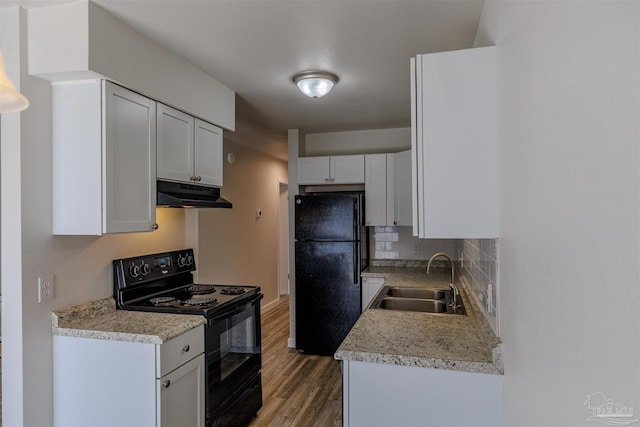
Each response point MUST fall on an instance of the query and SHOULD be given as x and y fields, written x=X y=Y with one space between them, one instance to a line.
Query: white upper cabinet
x=208 y=162
x=189 y=149
x=375 y=187
x=401 y=188
x=104 y=159
x=174 y=144
x=454 y=144
x=331 y=170
x=388 y=189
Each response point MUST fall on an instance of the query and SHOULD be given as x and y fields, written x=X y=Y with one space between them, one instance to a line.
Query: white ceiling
x=256 y=46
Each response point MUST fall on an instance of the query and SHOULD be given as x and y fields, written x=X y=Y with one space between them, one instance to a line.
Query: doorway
x=283 y=239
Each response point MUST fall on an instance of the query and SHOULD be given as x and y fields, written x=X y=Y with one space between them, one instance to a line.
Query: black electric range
x=164 y=283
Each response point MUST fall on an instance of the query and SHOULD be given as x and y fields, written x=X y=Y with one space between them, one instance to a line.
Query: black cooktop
x=207 y=300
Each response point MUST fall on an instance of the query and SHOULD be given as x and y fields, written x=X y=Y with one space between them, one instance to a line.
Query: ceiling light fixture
x=10 y=99
x=315 y=84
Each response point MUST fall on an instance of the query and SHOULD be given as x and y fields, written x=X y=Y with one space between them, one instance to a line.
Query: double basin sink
x=425 y=300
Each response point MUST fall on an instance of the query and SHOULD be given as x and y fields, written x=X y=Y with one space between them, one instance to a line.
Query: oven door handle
x=237 y=310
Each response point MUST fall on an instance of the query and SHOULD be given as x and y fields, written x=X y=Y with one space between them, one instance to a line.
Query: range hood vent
x=179 y=195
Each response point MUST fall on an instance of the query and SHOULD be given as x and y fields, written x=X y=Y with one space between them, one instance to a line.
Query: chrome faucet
x=452 y=285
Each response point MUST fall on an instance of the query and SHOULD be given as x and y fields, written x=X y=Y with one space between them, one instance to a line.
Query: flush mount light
x=10 y=99
x=315 y=84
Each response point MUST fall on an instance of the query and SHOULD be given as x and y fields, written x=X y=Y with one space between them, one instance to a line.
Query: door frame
x=283 y=239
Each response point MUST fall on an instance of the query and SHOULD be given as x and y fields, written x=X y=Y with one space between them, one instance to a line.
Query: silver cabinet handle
x=327 y=180
x=333 y=180
x=186 y=348
x=166 y=383
x=155 y=226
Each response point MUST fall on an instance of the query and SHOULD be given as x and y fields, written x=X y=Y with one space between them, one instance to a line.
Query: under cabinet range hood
x=180 y=195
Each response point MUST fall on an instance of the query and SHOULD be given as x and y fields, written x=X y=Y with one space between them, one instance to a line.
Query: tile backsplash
x=398 y=243
x=477 y=261
x=479 y=267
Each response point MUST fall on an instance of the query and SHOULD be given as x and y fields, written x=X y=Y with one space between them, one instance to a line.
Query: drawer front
x=179 y=350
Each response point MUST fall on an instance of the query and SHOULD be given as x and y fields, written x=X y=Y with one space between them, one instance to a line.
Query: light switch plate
x=45 y=288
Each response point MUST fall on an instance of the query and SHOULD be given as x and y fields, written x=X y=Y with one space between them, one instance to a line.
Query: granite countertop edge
x=419 y=361
x=487 y=344
x=100 y=320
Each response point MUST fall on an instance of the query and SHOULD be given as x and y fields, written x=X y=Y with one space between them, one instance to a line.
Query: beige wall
x=357 y=142
x=233 y=246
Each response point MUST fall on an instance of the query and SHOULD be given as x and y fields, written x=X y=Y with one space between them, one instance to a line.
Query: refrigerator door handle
x=356 y=218
x=356 y=275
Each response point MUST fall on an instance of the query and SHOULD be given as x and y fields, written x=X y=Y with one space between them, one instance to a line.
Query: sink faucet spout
x=452 y=284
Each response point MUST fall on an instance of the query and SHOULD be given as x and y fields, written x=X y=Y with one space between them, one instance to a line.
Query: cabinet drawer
x=179 y=350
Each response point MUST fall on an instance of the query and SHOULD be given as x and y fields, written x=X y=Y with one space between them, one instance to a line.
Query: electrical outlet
x=45 y=288
x=416 y=248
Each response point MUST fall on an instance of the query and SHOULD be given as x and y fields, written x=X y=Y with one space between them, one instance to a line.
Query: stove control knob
x=134 y=270
x=145 y=269
x=182 y=261
x=189 y=260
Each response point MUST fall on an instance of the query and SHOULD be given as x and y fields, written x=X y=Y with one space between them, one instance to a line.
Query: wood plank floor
x=298 y=390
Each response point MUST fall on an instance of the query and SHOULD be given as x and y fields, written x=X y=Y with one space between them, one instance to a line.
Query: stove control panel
x=150 y=267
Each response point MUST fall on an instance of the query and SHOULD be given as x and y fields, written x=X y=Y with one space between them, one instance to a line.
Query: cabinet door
x=402 y=188
x=347 y=169
x=455 y=136
x=314 y=170
x=370 y=288
x=181 y=396
x=375 y=187
x=174 y=144
x=129 y=162
x=208 y=153
x=93 y=377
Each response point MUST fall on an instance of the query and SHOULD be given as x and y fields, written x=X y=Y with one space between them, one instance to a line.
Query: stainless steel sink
x=414 y=304
x=425 y=300
x=423 y=293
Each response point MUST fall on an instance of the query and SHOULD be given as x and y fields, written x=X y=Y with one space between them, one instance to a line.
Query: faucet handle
x=454 y=288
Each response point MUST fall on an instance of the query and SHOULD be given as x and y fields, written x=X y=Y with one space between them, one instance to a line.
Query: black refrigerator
x=330 y=252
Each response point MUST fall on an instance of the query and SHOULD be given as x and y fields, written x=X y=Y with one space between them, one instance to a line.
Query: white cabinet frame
x=454 y=144
x=104 y=159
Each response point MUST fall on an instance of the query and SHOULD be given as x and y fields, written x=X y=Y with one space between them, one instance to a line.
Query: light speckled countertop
x=442 y=341
x=100 y=320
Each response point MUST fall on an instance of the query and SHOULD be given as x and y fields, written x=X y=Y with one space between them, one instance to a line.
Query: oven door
x=234 y=360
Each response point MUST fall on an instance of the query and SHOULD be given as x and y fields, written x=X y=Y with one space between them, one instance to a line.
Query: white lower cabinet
x=378 y=394
x=119 y=383
x=182 y=395
x=370 y=288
